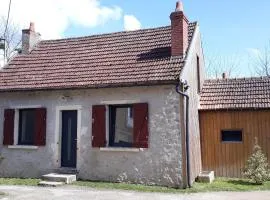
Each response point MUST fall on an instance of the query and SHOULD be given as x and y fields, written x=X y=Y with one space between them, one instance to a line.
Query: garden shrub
x=257 y=168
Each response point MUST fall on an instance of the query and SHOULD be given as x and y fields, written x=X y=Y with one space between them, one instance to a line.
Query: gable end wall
x=189 y=73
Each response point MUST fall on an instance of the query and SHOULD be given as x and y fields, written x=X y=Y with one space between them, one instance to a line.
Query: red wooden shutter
x=140 y=128
x=40 y=127
x=98 y=126
x=9 y=127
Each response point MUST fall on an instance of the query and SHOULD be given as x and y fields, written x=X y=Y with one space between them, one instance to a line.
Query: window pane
x=129 y=119
x=121 y=133
x=231 y=135
x=26 y=126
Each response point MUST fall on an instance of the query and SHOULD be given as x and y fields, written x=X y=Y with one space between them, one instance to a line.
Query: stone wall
x=160 y=164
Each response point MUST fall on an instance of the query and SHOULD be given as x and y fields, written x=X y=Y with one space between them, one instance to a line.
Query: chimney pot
x=32 y=26
x=179 y=6
x=224 y=75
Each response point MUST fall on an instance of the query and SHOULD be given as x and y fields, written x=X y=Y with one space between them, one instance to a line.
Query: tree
x=217 y=64
x=12 y=38
x=261 y=61
x=257 y=168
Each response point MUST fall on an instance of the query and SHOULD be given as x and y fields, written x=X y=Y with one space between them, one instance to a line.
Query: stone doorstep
x=55 y=177
x=206 y=177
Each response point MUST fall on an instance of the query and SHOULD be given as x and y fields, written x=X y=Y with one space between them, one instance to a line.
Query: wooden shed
x=232 y=113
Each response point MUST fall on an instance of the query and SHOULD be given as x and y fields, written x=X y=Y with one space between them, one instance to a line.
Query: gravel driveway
x=71 y=192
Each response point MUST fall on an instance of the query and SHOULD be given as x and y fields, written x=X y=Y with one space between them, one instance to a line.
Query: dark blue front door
x=69 y=138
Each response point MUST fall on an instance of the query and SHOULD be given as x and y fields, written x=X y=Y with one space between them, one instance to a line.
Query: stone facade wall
x=160 y=164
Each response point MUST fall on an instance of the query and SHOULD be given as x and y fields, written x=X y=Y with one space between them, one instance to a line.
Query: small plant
x=257 y=168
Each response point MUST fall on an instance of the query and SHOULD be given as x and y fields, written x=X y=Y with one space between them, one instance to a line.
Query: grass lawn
x=19 y=181
x=227 y=184
x=220 y=184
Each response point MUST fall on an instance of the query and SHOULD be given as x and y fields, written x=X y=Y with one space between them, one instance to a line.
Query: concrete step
x=206 y=177
x=56 y=177
x=50 y=183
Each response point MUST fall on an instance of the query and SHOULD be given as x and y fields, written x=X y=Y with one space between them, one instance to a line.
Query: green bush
x=257 y=168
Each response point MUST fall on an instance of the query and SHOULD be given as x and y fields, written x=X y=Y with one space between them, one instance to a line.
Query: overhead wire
x=5 y=53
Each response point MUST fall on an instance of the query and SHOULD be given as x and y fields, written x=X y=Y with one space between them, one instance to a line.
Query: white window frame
x=58 y=132
x=129 y=118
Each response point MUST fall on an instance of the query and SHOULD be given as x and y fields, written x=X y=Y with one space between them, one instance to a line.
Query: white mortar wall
x=159 y=164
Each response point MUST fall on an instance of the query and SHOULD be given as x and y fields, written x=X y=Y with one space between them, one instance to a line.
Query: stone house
x=105 y=105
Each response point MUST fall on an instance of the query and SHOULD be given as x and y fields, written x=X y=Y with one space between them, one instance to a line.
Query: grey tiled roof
x=239 y=93
x=118 y=59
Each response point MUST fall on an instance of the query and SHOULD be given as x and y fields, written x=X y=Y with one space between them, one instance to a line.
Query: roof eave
x=233 y=109
x=132 y=84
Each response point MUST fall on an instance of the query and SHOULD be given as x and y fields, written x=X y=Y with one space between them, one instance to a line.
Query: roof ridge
x=113 y=33
x=237 y=78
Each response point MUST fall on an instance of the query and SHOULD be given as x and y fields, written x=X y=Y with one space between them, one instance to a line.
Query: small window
x=121 y=126
x=231 y=136
x=26 y=126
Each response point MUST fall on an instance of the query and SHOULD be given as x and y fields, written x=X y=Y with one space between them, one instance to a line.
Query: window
x=198 y=74
x=27 y=123
x=120 y=125
x=231 y=136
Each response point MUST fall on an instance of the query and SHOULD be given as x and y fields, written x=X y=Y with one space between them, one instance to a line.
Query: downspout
x=187 y=131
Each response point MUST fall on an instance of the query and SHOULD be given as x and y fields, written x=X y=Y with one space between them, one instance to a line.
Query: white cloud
x=131 y=23
x=52 y=17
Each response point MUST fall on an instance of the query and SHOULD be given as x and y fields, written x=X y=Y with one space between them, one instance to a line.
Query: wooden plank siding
x=228 y=158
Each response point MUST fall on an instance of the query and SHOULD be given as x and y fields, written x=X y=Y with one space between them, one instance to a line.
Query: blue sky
x=231 y=30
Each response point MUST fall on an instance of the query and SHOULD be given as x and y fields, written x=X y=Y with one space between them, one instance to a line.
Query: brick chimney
x=179 y=31
x=29 y=39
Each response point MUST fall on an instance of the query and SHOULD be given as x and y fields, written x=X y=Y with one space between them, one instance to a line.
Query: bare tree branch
x=217 y=64
x=261 y=61
x=12 y=39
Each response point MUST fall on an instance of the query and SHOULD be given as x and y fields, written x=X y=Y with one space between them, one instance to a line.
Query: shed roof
x=140 y=57
x=237 y=93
